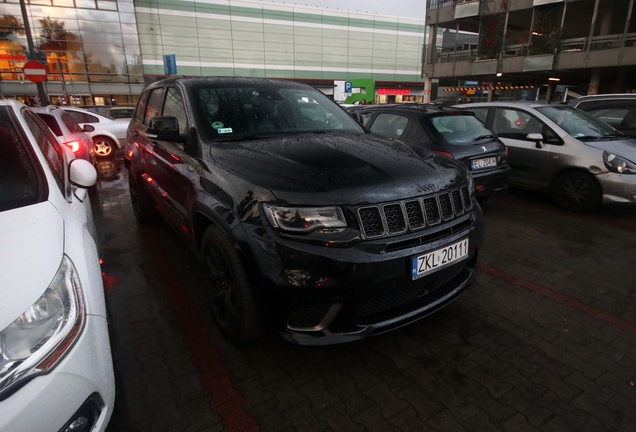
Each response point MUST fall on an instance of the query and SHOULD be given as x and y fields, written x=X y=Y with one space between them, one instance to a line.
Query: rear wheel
x=227 y=286
x=103 y=146
x=144 y=209
x=577 y=192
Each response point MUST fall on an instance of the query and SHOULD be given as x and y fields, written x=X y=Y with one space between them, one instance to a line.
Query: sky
x=400 y=8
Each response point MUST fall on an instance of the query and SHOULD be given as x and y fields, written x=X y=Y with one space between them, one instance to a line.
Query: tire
x=228 y=288
x=484 y=198
x=577 y=192
x=103 y=146
x=143 y=207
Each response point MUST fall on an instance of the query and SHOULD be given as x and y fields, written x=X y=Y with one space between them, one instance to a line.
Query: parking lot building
x=555 y=47
x=104 y=52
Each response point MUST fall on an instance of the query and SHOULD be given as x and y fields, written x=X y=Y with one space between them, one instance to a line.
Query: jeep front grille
x=397 y=217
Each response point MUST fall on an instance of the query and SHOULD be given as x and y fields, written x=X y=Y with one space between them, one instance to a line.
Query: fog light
x=79 y=425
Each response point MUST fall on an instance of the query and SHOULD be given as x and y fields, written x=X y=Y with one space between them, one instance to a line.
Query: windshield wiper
x=613 y=136
x=479 y=138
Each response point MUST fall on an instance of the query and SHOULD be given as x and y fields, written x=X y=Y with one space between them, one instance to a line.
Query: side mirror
x=82 y=173
x=88 y=128
x=537 y=137
x=165 y=128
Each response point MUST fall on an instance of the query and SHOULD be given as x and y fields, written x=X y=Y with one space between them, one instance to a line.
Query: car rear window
x=71 y=124
x=19 y=184
x=51 y=122
x=456 y=129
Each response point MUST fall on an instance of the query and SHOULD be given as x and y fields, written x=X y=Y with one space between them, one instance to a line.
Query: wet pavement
x=545 y=341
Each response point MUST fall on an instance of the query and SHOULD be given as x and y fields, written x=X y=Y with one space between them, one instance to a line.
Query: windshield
x=18 y=178
x=457 y=129
x=579 y=124
x=255 y=110
x=121 y=113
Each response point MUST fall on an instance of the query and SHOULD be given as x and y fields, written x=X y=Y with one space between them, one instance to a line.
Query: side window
x=53 y=153
x=174 y=107
x=612 y=116
x=481 y=113
x=364 y=118
x=141 y=107
x=153 y=108
x=70 y=123
x=550 y=137
x=80 y=117
x=515 y=124
x=389 y=125
x=51 y=122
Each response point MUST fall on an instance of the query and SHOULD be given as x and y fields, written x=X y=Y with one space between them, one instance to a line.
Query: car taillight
x=443 y=153
x=74 y=145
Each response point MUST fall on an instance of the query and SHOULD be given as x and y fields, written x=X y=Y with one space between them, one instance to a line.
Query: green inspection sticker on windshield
x=224 y=130
x=217 y=125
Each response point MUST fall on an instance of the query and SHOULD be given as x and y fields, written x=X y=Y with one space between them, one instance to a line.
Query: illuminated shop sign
x=394 y=91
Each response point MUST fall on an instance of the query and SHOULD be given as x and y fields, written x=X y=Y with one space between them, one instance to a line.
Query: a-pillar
x=594 y=81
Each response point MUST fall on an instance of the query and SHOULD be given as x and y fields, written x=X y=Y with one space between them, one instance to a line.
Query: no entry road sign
x=34 y=71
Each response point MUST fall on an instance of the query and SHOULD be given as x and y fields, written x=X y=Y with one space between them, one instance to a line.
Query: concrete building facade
x=555 y=46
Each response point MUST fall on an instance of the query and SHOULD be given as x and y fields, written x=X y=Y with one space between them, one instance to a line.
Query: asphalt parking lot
x=545 y=341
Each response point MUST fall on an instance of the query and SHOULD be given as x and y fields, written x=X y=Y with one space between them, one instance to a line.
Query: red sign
x=34 y=71
x=394 y=91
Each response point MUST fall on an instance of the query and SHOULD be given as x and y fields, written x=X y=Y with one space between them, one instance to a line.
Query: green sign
x=369 y=91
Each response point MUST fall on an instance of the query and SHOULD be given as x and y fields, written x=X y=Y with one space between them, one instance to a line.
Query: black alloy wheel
x=577 y=192
x=229 y=292
x=144 y=209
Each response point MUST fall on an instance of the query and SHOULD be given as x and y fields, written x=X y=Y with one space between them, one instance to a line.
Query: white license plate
x=433 y=261
x=484 y=163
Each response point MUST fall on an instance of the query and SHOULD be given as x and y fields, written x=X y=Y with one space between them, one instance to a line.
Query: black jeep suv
x=303 y=221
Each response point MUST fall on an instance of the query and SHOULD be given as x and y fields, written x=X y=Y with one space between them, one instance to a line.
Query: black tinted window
x=456 y=129
x=51 y=122
x=141 y=107
x=71 y=124
x=153 y=108
x=389 y=125
x=18 y=179
x=81 y=117
x=53 y=153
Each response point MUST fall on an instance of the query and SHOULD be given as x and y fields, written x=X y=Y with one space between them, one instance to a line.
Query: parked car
x=118 y=112
x=321 y=230
x=578 y=159
x=617 y=110
x=56 y=371
x=109 y=134
x=449 y=132
x=99 y=109
x=68 y=132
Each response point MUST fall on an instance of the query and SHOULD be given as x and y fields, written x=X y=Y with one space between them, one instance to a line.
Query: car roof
x=221 y=80
x=425 y=109
x=532 y=105
x=603 y=97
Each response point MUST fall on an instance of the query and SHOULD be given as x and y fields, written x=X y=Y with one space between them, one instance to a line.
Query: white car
x=56 y=370
x=109 y=134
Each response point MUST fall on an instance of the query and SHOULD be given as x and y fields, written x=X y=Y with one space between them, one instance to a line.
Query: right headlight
x=618 y=164
x=38 y=339
x=304 y=219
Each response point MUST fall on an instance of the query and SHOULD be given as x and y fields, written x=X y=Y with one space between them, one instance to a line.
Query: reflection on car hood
x=30 y=254
x=316 y=169
x=623 y=147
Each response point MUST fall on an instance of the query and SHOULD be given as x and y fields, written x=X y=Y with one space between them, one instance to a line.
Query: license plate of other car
x=440 y=258
x=484 y=163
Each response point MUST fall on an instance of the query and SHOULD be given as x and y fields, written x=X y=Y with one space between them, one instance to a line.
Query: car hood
x=30 y=254
x=316 y=169
x=623 y=147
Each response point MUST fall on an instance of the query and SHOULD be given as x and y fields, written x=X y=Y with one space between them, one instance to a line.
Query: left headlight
x=38 y=339
x=618 y=164
x=304 y=219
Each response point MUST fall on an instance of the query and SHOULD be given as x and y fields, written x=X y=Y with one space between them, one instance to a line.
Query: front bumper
x=315 y=295
x=84 y=377
x=618 y=188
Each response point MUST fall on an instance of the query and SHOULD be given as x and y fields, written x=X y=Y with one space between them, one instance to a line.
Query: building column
x=428 y=85
x=619 y=85
x=594 y=82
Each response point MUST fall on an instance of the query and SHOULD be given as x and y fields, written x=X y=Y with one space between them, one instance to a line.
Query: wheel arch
x=568 y=170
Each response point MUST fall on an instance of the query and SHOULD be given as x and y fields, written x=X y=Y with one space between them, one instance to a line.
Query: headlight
x=304 y=219
x=38 y=339
x=618 y=164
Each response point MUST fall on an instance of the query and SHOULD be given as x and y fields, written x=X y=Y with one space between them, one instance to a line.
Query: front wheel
x=577 y=192
x=103 y=146
x=227 y=286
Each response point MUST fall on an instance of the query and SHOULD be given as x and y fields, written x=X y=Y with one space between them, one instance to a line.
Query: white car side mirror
x=82 y=173
x=537 y=138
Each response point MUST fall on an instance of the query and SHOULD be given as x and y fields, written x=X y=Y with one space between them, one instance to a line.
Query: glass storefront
x=89 y=47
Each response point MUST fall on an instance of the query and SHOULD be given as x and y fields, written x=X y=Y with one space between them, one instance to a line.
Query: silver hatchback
x=575 y=157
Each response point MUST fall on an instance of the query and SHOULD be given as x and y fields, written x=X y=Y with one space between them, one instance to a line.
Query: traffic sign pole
x=44 y=99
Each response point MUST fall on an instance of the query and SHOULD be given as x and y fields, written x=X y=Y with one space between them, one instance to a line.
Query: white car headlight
x=304 y=219
x=618 y=164
x=38 y=339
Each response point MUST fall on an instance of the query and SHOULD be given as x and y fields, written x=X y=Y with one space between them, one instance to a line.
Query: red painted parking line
x=626 y=325
x=579 y=216
x=227 y=401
